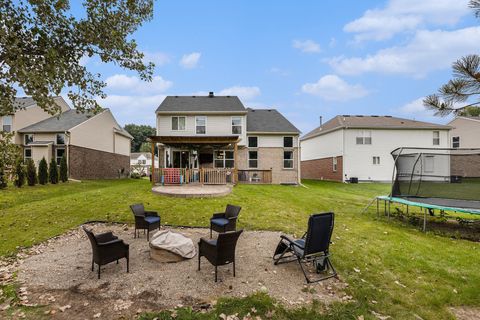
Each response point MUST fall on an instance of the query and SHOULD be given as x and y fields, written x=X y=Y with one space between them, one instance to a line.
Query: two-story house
x=465 y=132
x=215 y=139
x=360 y=147
x=141 y=162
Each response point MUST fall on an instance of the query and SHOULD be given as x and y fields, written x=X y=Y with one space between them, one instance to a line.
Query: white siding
x=122 y=144
x=324 y=146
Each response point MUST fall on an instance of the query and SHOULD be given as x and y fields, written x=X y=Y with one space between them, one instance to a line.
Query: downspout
x=343 y=156
x=67 y=134
x=299 y=161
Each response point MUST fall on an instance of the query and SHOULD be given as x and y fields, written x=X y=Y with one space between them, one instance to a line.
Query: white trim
x=171 y=123
x=196 y=133
x=166 y=113
x=248 y=141
x=293 y=160
x=241 y=125
x=248 y=159
x=283 y=141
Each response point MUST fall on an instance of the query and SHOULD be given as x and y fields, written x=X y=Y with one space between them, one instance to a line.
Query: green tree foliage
x=19 y=180
x=63 y=169
x=43 y=171
x=31 y=173
x=53 y=172
x=461 y=95
x=140 y=134
x=9 y=153
x=42 y=47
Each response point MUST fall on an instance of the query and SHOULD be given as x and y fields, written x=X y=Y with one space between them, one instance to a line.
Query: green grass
x=405 y=271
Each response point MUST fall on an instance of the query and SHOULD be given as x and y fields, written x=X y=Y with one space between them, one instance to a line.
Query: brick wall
x=85 y=163
x=322 y=169
x=465 y=165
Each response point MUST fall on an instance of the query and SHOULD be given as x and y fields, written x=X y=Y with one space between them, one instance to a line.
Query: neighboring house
x=359 y=146
x=465 y=132
x=141 y=162
x=96 y=146
x=218 y=135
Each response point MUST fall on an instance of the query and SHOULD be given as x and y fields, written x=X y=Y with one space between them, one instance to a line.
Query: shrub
x=3 y=178
x=31 y=173
x=19 y=180
x=135 y=175
x=63 y=169
x=43 y=171
x=53 y=172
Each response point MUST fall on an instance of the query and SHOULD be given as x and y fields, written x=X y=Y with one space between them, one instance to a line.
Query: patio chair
x=220 y=251
x=107 y=248
x=312 y=247
x=225 y=221
x=144 y=220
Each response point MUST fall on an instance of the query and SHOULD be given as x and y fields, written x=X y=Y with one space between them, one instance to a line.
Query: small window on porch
x=201 y=124
x=253 y=159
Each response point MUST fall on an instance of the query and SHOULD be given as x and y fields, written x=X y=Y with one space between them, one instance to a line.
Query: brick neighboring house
x=359 y=146
x=218 y=140
x=96 y=146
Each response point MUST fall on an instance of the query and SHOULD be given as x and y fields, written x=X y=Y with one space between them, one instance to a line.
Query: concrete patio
x=193 y=190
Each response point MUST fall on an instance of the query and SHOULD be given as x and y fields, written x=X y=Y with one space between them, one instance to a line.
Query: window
x=201 y=124
x=288 y=142
x=178 y=123
x=436 y=138
x=236 y=125
x=142 y=161
x=27 y=154
x=334 y=164
x=376 y=160
x=364 y=137
x=60 y=138
x=28 y=138
x=224 y=159
x=287 y=159
x=456 y=142
x=253 y=142
x=59 y=153
x=7 y=123
x=253 y=159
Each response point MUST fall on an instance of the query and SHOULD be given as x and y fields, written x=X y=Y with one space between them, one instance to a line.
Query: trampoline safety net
x=449 y=174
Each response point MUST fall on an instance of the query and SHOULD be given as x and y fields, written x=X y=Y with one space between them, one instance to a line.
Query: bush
x=3 y=178
x=19 y=180
x=53 y=172
x=135 y=175
x=43 y=171
x=63 y=169
x=31 y=173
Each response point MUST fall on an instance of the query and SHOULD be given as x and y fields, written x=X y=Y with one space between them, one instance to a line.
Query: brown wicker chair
x=220 y=251
x=145 y=220
x=225 y=221
x=107 y=248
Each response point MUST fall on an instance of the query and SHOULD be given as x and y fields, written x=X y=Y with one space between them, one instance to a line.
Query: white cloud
x=406 y=15
x=133 y=84
x=159 y=58
x=307 y=46
x=427 y=51
x=245 y=93
x=190 y=61
x=416 y=110
x=334 y=88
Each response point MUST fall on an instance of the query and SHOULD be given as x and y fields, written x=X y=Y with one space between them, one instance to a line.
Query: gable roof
x=148 y=155
x=198 y=104
x=64 y=122
x=268 y=120
x=23 y=102
x=371 y=122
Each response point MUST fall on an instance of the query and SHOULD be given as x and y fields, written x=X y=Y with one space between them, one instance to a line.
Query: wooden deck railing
x=203 y=176
x=255 y=176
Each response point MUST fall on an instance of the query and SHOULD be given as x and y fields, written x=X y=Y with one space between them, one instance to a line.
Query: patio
x=193 y=190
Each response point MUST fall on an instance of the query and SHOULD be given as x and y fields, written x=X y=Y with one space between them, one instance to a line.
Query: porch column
x=152 y=167
x=235 y=168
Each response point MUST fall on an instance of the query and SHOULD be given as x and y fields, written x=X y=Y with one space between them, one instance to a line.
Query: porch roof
x=195 y=140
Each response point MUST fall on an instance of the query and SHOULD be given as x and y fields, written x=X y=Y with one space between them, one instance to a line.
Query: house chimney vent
x=210 y=94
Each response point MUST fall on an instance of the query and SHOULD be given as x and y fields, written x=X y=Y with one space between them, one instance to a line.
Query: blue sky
x=305 y=58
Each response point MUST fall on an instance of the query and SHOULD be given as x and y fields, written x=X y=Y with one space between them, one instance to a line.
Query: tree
x=31 y=173
x=9 y=153
x=63 y=169
x=19 y=180
x=53 y=172
x=461 y=95
x=140 y=134
x=43 y=171
x=43 y=46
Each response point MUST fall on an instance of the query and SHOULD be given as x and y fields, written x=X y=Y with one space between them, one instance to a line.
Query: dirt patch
x=58 y=275
x=466 y=313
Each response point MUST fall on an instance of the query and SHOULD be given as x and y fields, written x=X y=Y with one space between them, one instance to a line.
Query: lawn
x=391 y=268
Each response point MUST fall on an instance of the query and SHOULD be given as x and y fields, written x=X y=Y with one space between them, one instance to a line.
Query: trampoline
x=435 y=179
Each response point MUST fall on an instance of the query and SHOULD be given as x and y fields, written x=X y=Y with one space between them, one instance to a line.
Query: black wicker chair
x=225 y=221
x=107 y=248
x=144 y=220
x=312 y=247
x=220 y=251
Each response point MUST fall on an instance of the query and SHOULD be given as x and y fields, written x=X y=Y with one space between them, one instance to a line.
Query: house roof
x=23 y=102
x=135 y=155
x=64 y=122
x=270 y=121
x=199 y=104
x=371 y=122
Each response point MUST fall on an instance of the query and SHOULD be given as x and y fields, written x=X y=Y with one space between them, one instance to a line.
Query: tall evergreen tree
x=19 y=180
x=43 y=172
x=53 y=172
x=63 y=169
x=31 y=173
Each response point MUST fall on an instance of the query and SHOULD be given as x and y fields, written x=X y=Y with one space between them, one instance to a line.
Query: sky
x=305 y=58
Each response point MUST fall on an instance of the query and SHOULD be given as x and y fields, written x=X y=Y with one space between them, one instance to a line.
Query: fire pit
x=168 y=246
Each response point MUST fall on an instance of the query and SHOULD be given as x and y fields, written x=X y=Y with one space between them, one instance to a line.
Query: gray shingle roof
x=23 y=102
x=371 y=122
x=201 y=104
x=268 y=120
x=64 y=122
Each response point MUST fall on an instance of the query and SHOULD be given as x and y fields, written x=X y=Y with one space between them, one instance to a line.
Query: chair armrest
x=218 y=215
x=105 y=237
x=151 y=213
x=233 y=218
x=291 y=241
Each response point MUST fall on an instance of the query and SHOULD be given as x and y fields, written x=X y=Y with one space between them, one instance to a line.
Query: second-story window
x=201 y=124
x=7 y=122
x=364 y=137
x=455 y=142
x=236 y=125
x=252 y=142
x=60 y=138
x=288 y=142
x=28 y=138
x=178 y=123
x=436 y=138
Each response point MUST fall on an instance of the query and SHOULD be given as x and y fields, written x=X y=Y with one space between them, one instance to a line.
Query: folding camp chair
x=312 y=247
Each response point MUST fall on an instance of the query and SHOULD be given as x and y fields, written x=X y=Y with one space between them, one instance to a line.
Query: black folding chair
x=312 y=247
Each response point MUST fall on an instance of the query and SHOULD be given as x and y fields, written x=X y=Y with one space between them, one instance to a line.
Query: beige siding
x=272 y=140
x=122 y=144
x=468 y=130
x=39 y=152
